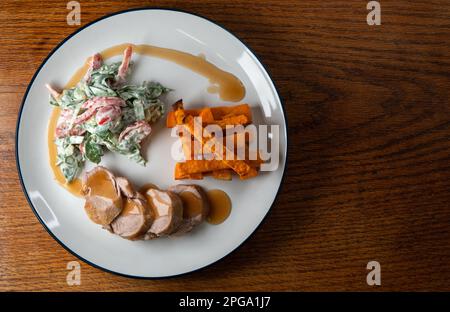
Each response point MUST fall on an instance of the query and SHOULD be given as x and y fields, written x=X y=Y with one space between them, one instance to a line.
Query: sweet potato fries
x=219 y=164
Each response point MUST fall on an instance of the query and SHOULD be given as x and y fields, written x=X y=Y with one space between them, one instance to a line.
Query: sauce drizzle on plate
x=219 y=205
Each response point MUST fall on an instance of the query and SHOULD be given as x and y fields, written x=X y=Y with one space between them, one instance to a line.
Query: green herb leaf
x=93 y=150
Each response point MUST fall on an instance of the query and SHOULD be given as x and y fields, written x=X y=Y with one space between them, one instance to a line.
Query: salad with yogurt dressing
x=103 y=112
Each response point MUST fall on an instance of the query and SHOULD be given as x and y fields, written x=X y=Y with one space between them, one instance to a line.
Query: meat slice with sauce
x=136 y=216
x=195 y=206
x=134 y=220
x=113 y=203
x=125 y=187
x=168 y=211
x=103 y=198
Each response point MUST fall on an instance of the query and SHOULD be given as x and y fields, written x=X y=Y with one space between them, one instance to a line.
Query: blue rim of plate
x=25 y=191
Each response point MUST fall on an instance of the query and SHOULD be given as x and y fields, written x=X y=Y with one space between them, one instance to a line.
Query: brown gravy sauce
x=130 y=208
x=101 y=185
x=213 y=89
x=192 y=205
x=228 y=86
x=219 y=206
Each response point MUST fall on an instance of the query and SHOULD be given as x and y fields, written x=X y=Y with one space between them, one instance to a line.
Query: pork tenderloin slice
x=103 y=200
x=125 y=187
x=195 y=206
x=168 y=212
x=134 y=220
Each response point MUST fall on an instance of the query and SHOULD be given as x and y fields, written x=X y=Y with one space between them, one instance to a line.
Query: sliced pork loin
x=125 y=187
x=168 y=211
x=195 y=206
x=103 y=199
x=113 y=203
x=136 y=216
x=135 y=219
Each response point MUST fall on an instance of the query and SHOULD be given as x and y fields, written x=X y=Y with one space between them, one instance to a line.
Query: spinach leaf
x=93 y=150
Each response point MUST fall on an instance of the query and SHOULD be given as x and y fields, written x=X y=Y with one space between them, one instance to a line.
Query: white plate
x=63 y=215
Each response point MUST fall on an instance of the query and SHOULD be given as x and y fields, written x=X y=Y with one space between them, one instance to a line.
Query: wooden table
x=368 y=176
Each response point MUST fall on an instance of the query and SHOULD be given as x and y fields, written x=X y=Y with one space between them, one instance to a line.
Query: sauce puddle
x=225 y=84
x=219 y=205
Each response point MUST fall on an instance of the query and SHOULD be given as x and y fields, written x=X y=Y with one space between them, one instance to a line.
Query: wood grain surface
x=368 y=175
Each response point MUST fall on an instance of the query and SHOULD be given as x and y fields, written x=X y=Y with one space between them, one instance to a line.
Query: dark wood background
x=369 y=142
